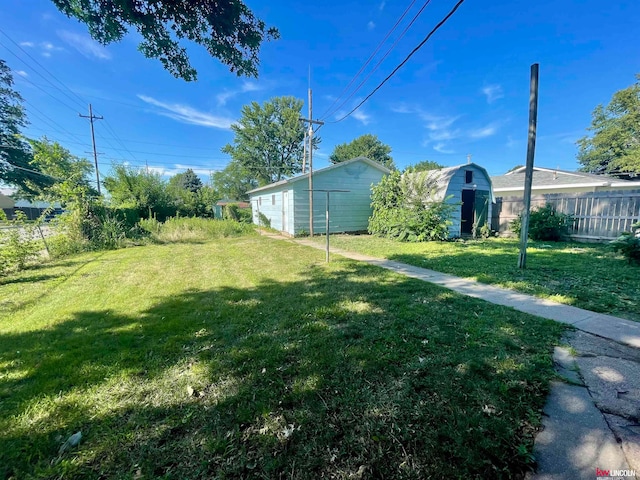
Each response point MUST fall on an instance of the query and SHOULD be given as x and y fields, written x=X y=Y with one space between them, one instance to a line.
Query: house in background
x=549 y=180
x=469 y=186
x=218 y=208
x=285 y=204
x=7 y=204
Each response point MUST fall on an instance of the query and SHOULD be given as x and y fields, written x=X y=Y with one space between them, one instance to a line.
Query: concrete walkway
x=591 y=419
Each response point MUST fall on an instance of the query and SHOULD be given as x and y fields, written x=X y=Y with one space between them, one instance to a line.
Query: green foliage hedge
x=628 y=244
x=545 y=224
x=404 y=209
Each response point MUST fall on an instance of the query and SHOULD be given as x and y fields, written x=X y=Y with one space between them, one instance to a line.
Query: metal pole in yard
x=531 y=147
x=310 y=165
x=327 y=227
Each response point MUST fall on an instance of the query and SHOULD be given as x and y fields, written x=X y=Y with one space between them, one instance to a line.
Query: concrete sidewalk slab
x=576 y=438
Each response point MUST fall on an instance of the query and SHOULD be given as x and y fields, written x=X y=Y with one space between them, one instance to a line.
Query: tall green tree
x=190 y=196
x=233 y=182
x=145 y=191
x=187 y=181
x=67 y=171
x=227 y=29
x=15 y=152
x=268 y=141
x=364 y=146
x=613 y=147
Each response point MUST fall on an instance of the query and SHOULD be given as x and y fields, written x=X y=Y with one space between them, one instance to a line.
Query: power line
x=429 y=35
x=43 y=68
x=325 y=114
x=384 y=57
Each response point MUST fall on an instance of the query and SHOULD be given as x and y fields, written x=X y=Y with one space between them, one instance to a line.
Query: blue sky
x=465 y=92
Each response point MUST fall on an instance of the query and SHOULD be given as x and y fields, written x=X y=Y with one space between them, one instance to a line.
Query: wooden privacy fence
x=598 y=216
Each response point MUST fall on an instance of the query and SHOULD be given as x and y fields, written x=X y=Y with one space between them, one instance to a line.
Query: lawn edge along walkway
x=618 y=329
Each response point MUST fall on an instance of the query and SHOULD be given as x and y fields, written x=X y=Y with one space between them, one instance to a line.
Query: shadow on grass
x=339 y=374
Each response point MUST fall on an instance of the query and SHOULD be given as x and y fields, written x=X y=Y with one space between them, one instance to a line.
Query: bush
x=544 y=224
x=404 y=209
x=17 y=244
x=231 y=211
x=628 y=244
x=263 y=220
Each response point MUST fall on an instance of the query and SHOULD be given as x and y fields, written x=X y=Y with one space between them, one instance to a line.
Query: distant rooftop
x=553 y=177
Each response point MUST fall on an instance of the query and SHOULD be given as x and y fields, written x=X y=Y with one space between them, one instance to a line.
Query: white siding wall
x=348 y=211
x=269 y=203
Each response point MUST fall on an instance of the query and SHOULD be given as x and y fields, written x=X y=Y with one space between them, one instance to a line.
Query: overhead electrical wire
x=364 y=65
x=418 y=47
x=384 y=57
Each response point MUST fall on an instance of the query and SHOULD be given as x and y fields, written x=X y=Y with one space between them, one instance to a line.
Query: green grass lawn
x=252 y=358
x=585 y=275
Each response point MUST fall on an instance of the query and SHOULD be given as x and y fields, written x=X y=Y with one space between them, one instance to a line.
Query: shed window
x=273 y=199
x=468 y=176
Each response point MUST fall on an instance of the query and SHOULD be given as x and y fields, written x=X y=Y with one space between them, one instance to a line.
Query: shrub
x=545 y=224
x=628 y=244
x=404 y=209
x=17 y=244
x=264 y=220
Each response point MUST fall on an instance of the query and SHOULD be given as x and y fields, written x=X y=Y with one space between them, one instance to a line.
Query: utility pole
x=528 y=176
x=91 y=118
x=311 y=123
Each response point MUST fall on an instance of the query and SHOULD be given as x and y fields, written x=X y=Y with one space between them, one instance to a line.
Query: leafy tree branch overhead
x=227 y=29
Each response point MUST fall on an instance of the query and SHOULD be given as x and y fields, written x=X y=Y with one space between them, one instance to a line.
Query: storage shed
x=469 y=186
x=285 y=204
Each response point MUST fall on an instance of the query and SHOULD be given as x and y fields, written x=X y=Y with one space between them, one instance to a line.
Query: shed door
x=285 y=210
x=468 y=208
x=481 y=207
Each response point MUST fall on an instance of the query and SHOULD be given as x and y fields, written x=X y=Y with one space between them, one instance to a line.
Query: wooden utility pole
x=311 y=123
x=528 y=177
x=91 y=118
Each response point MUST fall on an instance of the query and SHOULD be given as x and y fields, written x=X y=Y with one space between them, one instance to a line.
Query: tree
x=15 y=152
x=424 y=166
x=145 y=191
x=67 y=171
x=189 y=195
x=365 y=146
x=233 y=182
x=227 y=29
x=187 y=181
x=268 y=141
x=614 y=146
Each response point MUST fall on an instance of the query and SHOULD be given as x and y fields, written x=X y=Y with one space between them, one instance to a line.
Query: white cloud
x=85 y=45
x=186 y=114
x=484 y=132
x=46 y=48
x=371 y=25
x=382 y=4
x=362 y=117
x=441 y=148
x=493 y=92
x=22 y=73
x=178 y=168
x=247 y=86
